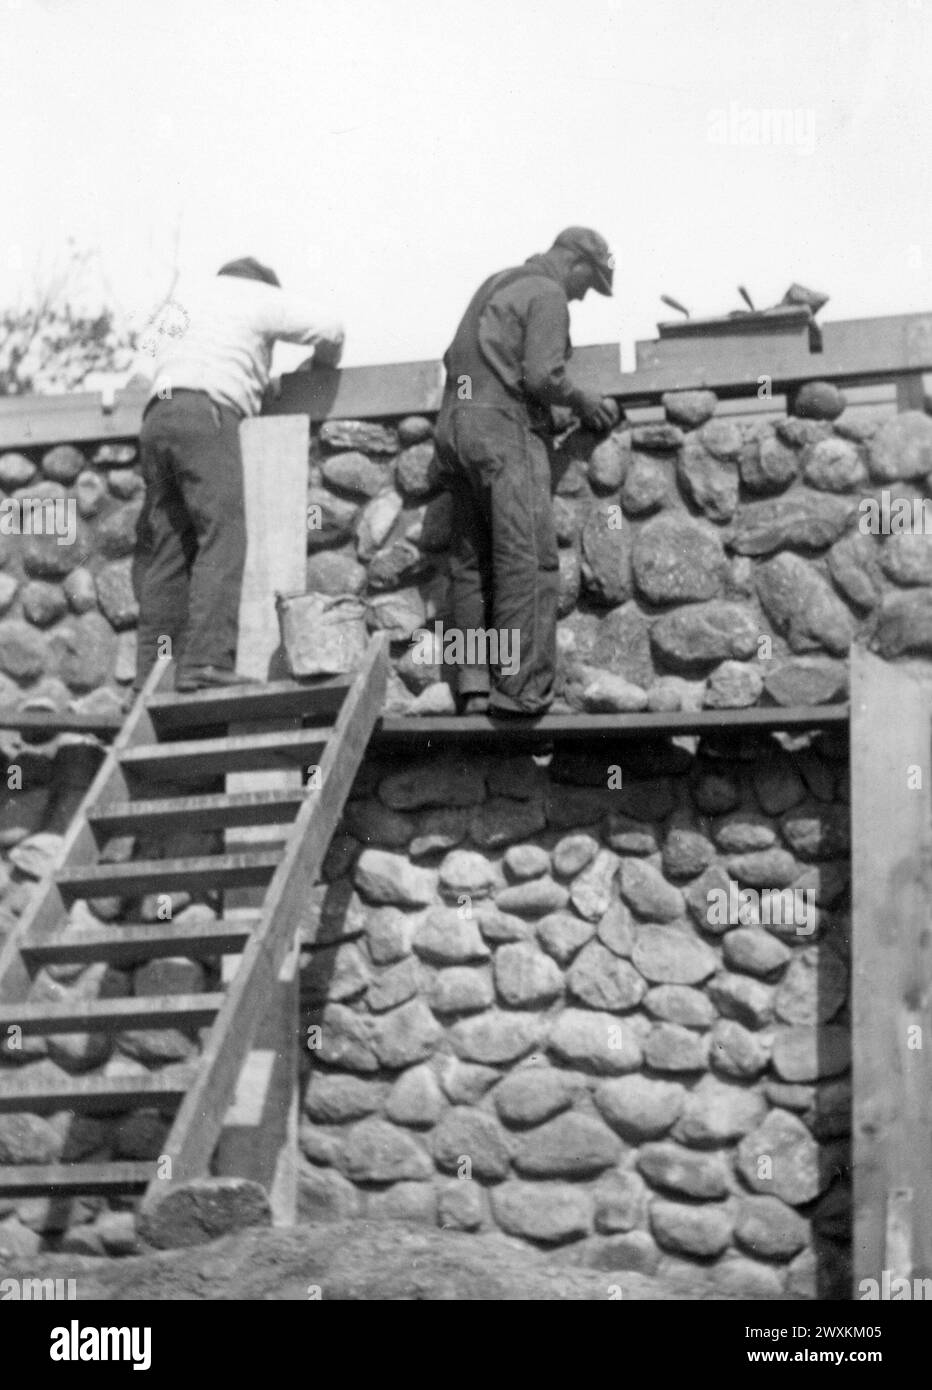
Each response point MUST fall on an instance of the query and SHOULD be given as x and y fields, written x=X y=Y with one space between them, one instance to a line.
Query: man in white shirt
x=212 y=371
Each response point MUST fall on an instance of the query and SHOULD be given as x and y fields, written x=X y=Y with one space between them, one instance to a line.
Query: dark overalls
x=490 y=442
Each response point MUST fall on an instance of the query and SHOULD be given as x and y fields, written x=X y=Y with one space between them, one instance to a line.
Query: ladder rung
x=113 y=1015
x=165 y=875
x=212 y=812
x=275 y=700
x=142 y=941
x=85 y=1094
x=49 y=1179
x=191 y=759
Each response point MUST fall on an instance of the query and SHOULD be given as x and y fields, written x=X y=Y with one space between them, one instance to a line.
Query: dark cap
x=593 y=248
x=248 y=268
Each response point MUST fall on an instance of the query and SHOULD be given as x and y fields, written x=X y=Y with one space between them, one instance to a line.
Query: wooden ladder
x=148 y=749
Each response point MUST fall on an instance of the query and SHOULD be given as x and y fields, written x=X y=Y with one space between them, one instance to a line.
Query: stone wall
x=522 y=1014
x=527 y=1019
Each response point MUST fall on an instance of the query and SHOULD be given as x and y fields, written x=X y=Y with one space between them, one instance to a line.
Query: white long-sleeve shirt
x=218 y=336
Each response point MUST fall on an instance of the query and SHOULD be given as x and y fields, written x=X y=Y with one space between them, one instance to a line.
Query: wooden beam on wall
x=854 y=351
x=891 y=955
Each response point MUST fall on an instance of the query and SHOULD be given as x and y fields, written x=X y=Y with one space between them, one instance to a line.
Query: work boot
x=209 y=677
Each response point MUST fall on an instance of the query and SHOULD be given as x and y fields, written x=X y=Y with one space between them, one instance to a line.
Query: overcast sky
x=386 y=155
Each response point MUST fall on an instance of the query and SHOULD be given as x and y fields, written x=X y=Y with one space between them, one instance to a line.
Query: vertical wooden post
x=891 y=943
x=259 y=1139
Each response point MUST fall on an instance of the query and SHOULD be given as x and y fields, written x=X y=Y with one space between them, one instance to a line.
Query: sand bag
x=322 y=635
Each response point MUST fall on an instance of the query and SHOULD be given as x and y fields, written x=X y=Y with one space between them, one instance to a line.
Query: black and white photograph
x=466 y=666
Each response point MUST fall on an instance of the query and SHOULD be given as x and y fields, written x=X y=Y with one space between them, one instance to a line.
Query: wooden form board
x=891 y=952
x=259 y=1139
x=854 y=350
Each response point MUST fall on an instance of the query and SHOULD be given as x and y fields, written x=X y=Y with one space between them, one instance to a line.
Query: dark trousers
x=191 y=537
x=504 y=565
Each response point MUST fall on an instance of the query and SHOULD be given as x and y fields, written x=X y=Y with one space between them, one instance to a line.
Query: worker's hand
x=600 y=414
x=328 y=350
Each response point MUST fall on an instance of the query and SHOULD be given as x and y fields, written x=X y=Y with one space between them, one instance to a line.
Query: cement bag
x=321 y=635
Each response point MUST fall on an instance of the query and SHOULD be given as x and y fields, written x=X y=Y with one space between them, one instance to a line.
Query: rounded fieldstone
x=818 y=400
x=498 y=926
x=534 y=1093
x=715 y=1113
x=573 y=853
x=834 y=465
x=689 y=409
x=389 y=878
x=526 y=978
x=83 y=649
x=330 y=519
x=764 y=868
x=336 y=1099
x=640 y=1108
x=378 y=1152
x=754 y=951
x=675 y=1169
x=709 y=484
x=620 y=1202
x=393 y=986
x=803 y=1053
x=502 y=821
x=767 y=1227
x=647 y=892
x=781 y=1158
x=690 y=1230
x=90 y=491
x=465 y=871
x=671 y=1048
x=459 y=1206
x=907 y=558
x=629 y=836
x=813 y=989
x=465 y=1083
x=461 y=989
x=473 y=1135
x=817 y=831
x=23 y=652
x=606 y=556
x=115 y=594
x=16 y=471
x=734 y=685
x=680 y=1004
x=354 y=473
x=543 y=1211
x=406 y=1035
x=686 y=851
x=902 y=447
x=803 y=520
x=80 y=590
x=561 y=935
x=494 y=1038
x=672 y=956
x=801 y=605
x=536 y=898
x=736 y=1052
x=705 y=634
x=676 y=560
x=63 y=463
x=194 y=1213
x=334 y=572
x=125 y=483
x=358 y=434
x=645 y=488
x=595 y=1041
x=661 y=438
x=526 y=861
x=601 y=980
x=445 y=936
x=767 y=466
x=43 y=603
x=615 y=930
x=593 y=890
x=443 y=782
x=807 y=680
x=570 y=1146
x=413 y=429
x=609 y=461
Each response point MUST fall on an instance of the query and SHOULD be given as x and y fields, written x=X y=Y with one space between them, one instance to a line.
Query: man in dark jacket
x=505 y=369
